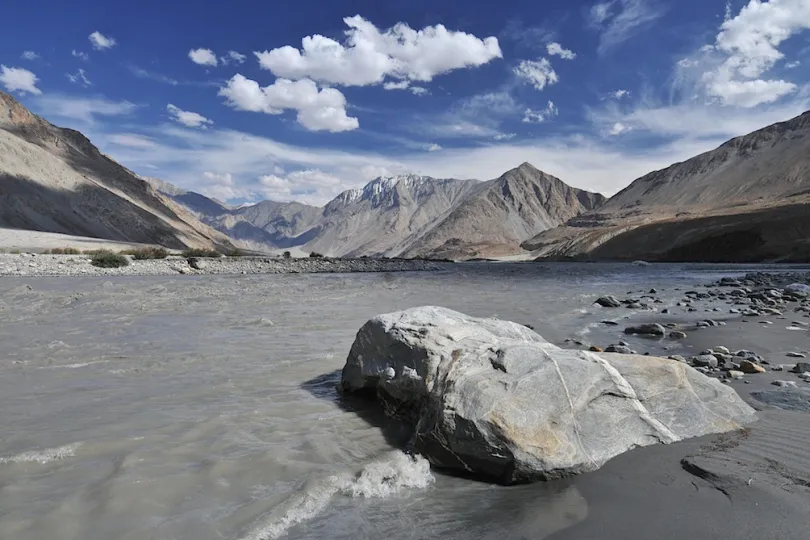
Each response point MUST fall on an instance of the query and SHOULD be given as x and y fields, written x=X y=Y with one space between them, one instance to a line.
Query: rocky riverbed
x=724 y=311
x=31 y=264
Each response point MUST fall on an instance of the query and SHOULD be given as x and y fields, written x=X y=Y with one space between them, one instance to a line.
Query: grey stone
x=796 y=355
x=734 y=374
x=621 y=349
x=608 y=301
x=652 y=329
x=705 y=360
x=801 y=367
x=494 y=399
x=785 y=384
x=798 y=289
x=677 y=335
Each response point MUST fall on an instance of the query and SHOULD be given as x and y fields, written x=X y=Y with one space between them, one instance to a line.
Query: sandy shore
x=33 y=265
x=753 y=484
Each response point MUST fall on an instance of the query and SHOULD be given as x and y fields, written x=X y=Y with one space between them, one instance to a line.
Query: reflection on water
x=205 y=407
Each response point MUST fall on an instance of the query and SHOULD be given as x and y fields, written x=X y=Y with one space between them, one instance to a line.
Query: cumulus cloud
x=406 y=85
x=504 y=136
x=29 y=55
x=188 y=118
x=733 y=70
x=318 y=110
x=100 y=41
x=80 y=55
x=538 y=73
x=203 y=57
x=620 y=94
x=793 y=65
x=746 y=47
x=434 y=148
x=80 y=77
x=531 y=116
x=619 y=20
x=555 y=49
x=19 y=80
x=369 y=56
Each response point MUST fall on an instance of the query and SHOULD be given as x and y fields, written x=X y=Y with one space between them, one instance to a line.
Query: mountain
x=496 y=216
x=748 y=200
x=409 y=215
x=53 y=179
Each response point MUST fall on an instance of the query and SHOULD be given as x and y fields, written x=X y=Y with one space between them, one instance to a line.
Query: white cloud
x=188 y=118
x=80 y=77
x=233 y=56
x=619 y=20
x=318 y=110
x=203 y=57
x=19 y=80
x=309 y=186
x=747 y=47
x=478 y=116
x=132 y=140
x=434 y=148
x=100 y=41
x=504 y=136
x=145 y=74
x=599 y=13
x=369 y=55
x=619 y=128
x=29 y=55
x=406 y=85
x=793 y=65
x=531 y=116
x=84 y=110
x=537 y=73
x=399 y=85
x=555 y=49
x=620 y=94
x=80 y=55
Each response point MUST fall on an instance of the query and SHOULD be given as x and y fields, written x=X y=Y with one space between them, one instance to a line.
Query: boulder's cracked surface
x=493 y=399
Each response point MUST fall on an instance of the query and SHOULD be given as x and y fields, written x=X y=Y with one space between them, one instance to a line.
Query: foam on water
x=43 y=456
x=383 y=478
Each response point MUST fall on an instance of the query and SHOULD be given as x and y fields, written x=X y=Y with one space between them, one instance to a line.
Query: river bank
x=41 y=265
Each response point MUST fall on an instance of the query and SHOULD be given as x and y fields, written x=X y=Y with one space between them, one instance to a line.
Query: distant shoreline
x=36 y=265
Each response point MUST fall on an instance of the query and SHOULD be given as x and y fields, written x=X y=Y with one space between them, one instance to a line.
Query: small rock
x=796 y=355
x=610 y=323
x=653 y=291
x=652 y=329
x=784 y=384
x=608 y=302
x=621 y=349
x=734 y=374
x=677 y=335
x=746 y=366
x=705 y=360
x=594 y=348
x=801 y=367
x=721 y=350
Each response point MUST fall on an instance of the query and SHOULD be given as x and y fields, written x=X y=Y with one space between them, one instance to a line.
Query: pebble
x=750 y=368
x=677 y=335
x=784 y=384
x=796 y=355
x=734 y=374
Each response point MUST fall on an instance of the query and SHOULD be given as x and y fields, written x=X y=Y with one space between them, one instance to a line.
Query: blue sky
x=300 y=100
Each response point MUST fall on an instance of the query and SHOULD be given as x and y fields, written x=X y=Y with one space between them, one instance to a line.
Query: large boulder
x=493 y=399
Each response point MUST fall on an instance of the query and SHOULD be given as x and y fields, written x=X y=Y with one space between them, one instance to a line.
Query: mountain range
x=746 y=201
x=405 y=216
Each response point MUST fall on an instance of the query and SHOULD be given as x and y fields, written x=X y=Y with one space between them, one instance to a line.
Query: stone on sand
x=608 y=302
x=750 y=368
x=651 y=329
x=801 y=367
x=493 y=399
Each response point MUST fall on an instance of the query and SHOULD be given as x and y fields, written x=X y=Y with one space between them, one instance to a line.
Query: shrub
x=108 y=259
x=147 y=253
x=286 y=254
x=316 y=255
x=63 y=251
x=199 y=252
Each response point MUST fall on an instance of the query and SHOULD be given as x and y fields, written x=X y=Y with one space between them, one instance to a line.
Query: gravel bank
x=29 y=264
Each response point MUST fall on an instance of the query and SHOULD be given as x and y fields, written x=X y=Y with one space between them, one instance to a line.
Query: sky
x=248 y=100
